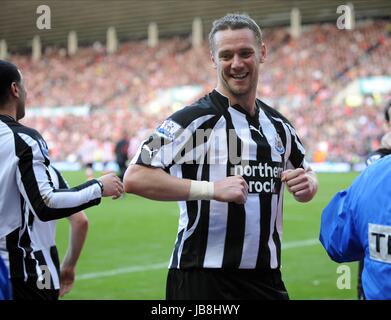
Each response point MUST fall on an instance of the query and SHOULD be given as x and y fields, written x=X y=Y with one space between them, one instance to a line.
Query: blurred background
x=98 y=71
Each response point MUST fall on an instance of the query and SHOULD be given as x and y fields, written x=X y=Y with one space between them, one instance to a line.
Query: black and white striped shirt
x=26 y=186
x=211 y=140
x=43 y=236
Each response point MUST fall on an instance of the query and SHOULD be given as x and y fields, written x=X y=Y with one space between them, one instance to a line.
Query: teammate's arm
x=48 y=203
x=78 y=232
x=156 y=184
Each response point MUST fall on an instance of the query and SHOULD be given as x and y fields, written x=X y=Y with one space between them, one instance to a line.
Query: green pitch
x=130 y=240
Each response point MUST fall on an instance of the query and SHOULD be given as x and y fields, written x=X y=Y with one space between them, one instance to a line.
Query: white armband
x=201 y=190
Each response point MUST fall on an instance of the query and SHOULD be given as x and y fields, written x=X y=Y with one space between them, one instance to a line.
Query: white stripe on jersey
x=299 y=145
x=252 y=232
x=271 y=244
x=10 y=215
x=52 y=268
x=249 y=147
x=270 y=133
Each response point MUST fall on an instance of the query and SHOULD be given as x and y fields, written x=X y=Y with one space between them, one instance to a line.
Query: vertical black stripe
x=263 y=260
x=55 y=259
x=236 y=219
x=15 y=255
x=276 y=237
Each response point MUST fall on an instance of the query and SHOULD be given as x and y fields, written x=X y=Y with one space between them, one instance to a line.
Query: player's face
x=236 y=57
x=20 y=109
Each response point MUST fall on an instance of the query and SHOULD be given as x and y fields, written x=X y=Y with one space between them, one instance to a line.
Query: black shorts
x=28 y=290
x=222 y=284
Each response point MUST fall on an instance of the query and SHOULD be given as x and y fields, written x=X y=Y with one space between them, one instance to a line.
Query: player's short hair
x=234 y=21
x=8 y=73
x=387 y=111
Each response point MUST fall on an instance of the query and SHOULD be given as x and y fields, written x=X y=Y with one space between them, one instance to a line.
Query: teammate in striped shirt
x=56 y=281
x=225 y=158
x=26 y=186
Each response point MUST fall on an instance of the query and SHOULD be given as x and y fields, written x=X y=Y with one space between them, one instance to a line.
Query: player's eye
x=225 y=56
x=246 y=54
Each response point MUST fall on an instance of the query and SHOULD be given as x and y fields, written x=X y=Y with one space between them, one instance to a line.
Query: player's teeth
x=239 y=76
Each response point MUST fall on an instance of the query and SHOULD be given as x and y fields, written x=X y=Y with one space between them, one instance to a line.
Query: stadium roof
x=91 y=18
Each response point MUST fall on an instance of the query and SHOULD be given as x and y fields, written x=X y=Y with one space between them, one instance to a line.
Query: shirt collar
x=225 y=102
x=7 y=117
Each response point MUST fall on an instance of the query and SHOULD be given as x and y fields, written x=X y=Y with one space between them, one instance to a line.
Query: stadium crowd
x=303 y=77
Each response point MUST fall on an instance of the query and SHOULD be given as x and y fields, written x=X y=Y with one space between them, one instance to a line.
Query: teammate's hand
x=231 y=189
x=300 y=183
x=67 y=278
x=112 y=186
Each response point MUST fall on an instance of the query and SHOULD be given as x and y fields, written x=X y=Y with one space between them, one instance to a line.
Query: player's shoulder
x=202 y=108
x=377 y=171
x=377 y=155
x=21 y=130
x=272 y=112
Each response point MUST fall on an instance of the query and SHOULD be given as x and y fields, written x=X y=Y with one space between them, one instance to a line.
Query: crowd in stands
x=301 y=78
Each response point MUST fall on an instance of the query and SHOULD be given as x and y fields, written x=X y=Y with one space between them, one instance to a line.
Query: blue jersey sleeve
x=338 y=233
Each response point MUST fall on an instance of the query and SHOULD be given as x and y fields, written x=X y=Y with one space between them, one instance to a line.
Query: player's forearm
x=155 y=184
x=78 y=234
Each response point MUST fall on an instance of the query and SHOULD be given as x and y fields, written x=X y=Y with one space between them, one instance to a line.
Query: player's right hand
x=231 y=189
x=112 y=186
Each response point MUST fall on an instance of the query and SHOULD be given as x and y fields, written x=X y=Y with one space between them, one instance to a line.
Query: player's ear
x=262 y=53
x=15 y=90
x=213 y=60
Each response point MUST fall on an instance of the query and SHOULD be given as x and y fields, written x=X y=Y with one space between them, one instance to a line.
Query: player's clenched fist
x=302 y=184
x=231 y=189
x=112 y=186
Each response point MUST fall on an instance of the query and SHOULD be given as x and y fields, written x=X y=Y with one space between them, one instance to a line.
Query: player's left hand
x=67 y=277
x=301 y=184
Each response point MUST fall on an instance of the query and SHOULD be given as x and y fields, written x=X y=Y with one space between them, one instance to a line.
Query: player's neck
x=8 y=111
x=246 y=102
